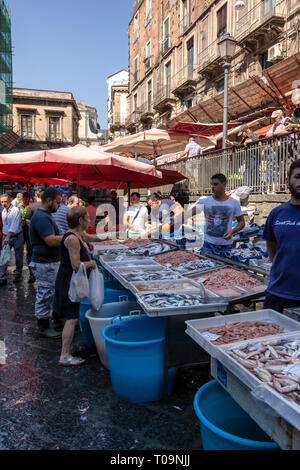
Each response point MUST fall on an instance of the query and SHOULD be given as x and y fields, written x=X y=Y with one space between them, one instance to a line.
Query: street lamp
x=226 y=46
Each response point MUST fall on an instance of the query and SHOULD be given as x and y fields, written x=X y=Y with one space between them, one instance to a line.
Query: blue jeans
x=208 y=248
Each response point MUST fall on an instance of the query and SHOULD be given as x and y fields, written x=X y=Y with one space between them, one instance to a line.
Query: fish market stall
x=255 y=356
x=165 y=292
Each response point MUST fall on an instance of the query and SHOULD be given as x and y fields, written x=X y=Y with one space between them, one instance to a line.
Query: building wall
x=117 y=103
x=6 y=77
x=90 y=132
x=38 y=107
x=257 y=27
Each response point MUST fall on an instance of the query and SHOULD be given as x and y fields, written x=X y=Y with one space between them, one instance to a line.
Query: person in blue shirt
x=282 y=233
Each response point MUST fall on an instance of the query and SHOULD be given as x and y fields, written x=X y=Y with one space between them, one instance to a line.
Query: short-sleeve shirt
x=32 y=208
x=166 y=211
x=193 y=149
x=138 y=216
x=283 y=227
x=60 y=217
x=218 y=218
x=42 y=225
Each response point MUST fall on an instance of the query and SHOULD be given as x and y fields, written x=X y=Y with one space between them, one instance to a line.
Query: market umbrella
x=78 y=164
x=201 y=128
x=81 y=165
x=152 y=142
x=21 y=179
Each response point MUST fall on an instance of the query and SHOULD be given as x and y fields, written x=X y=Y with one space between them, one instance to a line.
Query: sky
x=70 y=45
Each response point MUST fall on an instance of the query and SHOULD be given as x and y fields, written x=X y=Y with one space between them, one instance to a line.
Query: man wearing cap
x=278 y=127
x=192 y=149
x=247 y=136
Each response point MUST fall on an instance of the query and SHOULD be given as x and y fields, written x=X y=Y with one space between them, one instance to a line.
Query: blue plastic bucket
x=135 y=352
x=110 y=295
x=224 y=425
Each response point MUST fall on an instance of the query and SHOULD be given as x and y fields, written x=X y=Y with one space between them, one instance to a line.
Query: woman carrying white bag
x=72 y=285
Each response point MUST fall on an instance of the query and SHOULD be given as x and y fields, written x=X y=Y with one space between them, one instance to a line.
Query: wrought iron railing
x=208 y=55
x=255 y=17
x=263 y=166
x=186 y=74
x=162 y=94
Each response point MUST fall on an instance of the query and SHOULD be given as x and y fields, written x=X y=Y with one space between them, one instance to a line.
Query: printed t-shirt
x=283 y=227
x=140 y=220
x=218 y=218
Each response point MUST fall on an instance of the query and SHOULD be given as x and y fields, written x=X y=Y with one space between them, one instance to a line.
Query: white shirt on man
x=11 y=220
x=138 y=217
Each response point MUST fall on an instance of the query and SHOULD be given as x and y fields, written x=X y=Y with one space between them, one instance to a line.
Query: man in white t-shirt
x=192 y=149
x=219 y=211
x=136 y=217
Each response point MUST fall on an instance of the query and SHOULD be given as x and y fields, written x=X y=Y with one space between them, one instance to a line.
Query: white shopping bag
x=96 y=283
x=5 y=255
x=79 y=285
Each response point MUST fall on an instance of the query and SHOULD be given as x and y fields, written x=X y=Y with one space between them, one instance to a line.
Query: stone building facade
x=89 y=131
x=45 y=119
x=174 y=64
x=117 y=104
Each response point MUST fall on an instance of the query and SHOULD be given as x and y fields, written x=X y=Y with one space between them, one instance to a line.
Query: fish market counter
x=255 y=357
x=165 y=292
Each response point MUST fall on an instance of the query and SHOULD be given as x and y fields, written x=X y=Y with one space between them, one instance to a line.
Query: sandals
x=72 y=361
x=79 y=350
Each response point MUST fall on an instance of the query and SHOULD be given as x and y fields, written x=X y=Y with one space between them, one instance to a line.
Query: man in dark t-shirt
x=45 y=240
x=282 y=232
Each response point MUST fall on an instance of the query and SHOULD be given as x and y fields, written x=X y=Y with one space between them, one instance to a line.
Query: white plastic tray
x=173 y=285
x=284 y=406
x=217 y=306
x=196 y=328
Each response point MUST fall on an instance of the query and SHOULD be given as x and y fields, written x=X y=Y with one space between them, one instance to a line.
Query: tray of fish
x=163 y=304
x=109 y=249
x=151 y=275
x=180 y=285
x=151 y=249
x=198 y=266
x=132 y=263
x=270 y=368
x=108 y=258
x=235 y=283
x=214 y=334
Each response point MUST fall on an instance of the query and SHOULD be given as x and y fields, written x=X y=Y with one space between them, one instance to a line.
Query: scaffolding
x=6 y=83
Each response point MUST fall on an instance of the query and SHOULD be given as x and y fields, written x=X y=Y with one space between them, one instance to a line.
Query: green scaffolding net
x=6 y=83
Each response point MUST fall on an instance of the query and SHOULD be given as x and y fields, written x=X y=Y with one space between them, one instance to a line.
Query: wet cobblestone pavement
x=44 y=406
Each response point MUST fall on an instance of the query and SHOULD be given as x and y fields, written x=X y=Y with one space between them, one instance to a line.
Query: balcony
x=209 y=61
x=184 y=24
x=163 y=99
x=266 y=17
x=185 y=81
x=146 y=111
x=116 y=121
x=132 y=119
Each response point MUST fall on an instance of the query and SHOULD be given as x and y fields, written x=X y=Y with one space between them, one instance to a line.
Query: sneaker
x=31 y=280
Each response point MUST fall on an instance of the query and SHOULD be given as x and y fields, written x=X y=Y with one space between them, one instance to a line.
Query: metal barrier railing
x=263 y=166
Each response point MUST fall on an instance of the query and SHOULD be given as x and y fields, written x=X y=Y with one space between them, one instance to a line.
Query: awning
x=201 y=128
x=249 y=97
x=8 y=141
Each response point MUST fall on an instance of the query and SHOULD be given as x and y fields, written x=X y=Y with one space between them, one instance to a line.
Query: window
x=136 y=70
x=148 y=55
x=268 y=6
x=189 y=103
x=185 y=16
x=220 y=86
x=135 y=28
x=190 y=53
x=148 y=12
x=135 y=107
x=26 y=125
x=166 y=35
x=265 y=64
x=54 y=132
x=168 y=77
x=222 y=20
x=149 y=102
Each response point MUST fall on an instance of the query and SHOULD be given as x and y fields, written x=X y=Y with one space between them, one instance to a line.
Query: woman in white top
x=136 y=217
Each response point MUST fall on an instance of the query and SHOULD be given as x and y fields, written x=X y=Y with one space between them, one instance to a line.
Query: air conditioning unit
x=275 y=52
